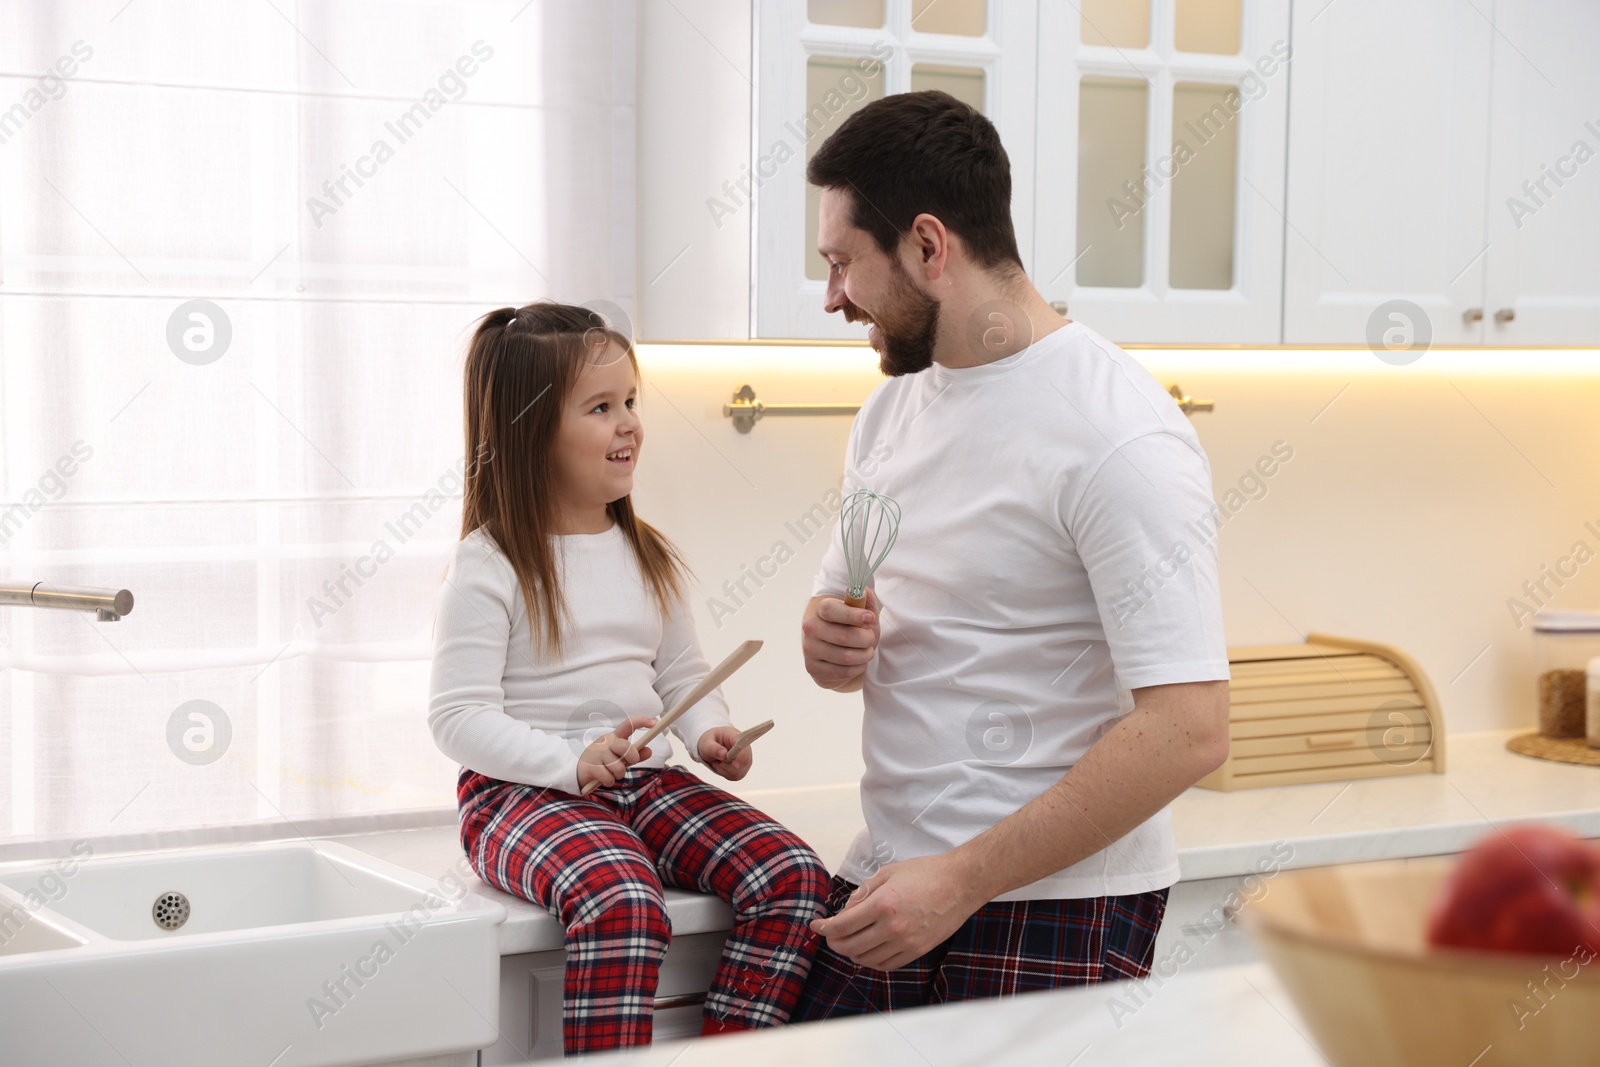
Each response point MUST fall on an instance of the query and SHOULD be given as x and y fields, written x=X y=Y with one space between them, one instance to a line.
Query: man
x=1041 y=655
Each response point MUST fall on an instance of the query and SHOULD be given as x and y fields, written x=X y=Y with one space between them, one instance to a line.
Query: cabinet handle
x=1472 y=315
x=680 y=1000
x=1505 y=315
x=1188 y=403
x=745 y=410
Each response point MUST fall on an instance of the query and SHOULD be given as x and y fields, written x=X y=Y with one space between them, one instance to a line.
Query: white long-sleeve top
x=499 y=708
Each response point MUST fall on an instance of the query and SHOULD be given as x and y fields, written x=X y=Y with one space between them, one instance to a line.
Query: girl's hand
x=714 y=745
x=609 y=758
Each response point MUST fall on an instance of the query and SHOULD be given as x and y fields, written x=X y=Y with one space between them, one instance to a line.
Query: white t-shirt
x=497 y=708
x=1056 y=550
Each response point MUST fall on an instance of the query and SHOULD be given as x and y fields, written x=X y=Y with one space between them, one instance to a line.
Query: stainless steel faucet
x=108 y=605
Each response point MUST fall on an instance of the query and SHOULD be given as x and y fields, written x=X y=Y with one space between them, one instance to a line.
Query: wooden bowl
x=1348 y=944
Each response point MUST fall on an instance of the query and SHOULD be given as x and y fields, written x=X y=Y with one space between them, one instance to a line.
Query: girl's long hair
x=517 y=380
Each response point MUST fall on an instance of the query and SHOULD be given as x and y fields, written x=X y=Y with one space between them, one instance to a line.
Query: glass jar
x=1564 y=643
x=1594 y=703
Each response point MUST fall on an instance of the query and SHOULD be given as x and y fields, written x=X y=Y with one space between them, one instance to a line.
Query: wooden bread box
x=1332 y=709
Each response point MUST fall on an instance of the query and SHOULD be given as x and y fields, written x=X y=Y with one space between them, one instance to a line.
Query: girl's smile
x=597 y=443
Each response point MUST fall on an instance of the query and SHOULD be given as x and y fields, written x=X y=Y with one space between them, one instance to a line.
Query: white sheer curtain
x=274 y=474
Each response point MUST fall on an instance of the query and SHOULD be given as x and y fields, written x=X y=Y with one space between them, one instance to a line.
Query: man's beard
x=909 y=323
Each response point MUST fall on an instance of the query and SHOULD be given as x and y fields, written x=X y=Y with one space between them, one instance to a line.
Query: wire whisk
x=868 y=527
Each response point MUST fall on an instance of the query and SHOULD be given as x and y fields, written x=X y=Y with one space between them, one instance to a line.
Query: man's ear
x=933 y=242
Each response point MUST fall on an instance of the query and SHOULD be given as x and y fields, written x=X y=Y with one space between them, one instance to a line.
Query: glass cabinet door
x=1147 y=141
x=821 y=62
x=1160 y=167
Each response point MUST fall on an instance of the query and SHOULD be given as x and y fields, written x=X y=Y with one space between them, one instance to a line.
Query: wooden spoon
x=746 y=739
x=736 y=659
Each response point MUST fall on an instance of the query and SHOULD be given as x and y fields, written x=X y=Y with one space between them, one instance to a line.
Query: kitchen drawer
x=531 y=988
x=1198 y=931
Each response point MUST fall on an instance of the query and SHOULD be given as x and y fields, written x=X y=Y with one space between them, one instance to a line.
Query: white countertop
x=1227 y=1017
x=1222 y=834
x=1218 y=834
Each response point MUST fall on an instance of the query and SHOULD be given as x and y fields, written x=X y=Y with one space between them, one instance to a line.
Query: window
x=240 y=260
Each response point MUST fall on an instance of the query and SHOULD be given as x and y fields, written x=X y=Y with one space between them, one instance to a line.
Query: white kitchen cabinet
x=1198 y=931
x=1439 y=154
x=1160 y=167
x=1388 y=142
x=1174 y=235
x=531 y=993
x=1440 y=158
x=1543 y=284
x=818 y=63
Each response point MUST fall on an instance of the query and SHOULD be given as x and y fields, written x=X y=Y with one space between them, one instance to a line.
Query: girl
x=561 y=610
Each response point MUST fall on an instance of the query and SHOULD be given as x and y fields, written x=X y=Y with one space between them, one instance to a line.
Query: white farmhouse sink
x=227 y=890
x=304 y=953
x=24 y=931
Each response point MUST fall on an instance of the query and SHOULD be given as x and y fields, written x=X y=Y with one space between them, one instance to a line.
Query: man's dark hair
x=923 y=152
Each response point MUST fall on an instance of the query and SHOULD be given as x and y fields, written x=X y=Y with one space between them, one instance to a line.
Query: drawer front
x=1198 y=929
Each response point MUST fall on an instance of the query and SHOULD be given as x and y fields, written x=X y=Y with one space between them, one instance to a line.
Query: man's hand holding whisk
x=840 y=636
x=839 y=641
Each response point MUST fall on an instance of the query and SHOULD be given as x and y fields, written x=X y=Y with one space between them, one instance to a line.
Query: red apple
x=1532 y=889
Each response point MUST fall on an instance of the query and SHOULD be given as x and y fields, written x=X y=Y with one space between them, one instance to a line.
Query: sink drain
x=171 y=910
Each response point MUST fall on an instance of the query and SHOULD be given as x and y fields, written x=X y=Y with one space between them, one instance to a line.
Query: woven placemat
x=1560 y=749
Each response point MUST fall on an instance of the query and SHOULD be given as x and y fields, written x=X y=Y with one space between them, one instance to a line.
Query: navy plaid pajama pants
x=1006 y=947
x=599 y=863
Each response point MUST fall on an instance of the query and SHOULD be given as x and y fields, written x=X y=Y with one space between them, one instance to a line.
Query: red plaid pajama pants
x=1006 y=947
x=598 y=863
